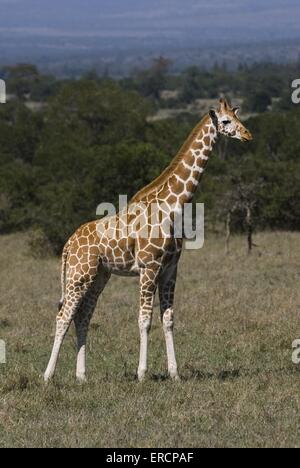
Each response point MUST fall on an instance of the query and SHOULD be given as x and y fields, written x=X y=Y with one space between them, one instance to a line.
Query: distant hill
x=41 y=30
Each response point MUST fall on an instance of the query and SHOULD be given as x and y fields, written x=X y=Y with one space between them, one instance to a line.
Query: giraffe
x=134 y=243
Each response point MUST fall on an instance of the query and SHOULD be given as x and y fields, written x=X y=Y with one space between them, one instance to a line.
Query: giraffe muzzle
x=247 y=136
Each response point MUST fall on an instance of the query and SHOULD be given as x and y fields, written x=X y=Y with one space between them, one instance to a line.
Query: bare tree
x=241 y=201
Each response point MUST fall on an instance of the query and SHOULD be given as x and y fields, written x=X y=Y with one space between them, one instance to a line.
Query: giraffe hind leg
x=63 y=322
x=75 y=293
x=82 y=321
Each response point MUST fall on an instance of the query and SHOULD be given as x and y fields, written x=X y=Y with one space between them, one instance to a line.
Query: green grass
x=236 y=319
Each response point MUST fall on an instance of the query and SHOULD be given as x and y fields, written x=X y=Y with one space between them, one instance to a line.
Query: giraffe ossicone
x=135 y=243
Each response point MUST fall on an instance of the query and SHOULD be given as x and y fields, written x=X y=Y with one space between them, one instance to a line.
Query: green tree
x=21 y=78
x=151 y=82
x=258 y=101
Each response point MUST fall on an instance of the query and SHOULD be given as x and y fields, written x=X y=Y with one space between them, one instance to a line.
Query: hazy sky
x=215 y=20
x=124 y=13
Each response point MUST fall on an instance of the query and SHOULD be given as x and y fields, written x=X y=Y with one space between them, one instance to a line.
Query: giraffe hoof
x=175 y=377
x=141 y=376
x=47 y=378
x=81 y=379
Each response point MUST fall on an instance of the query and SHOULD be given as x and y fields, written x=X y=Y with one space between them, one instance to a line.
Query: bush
x=39 y=245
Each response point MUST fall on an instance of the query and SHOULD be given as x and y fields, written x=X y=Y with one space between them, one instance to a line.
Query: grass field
x=236 y=319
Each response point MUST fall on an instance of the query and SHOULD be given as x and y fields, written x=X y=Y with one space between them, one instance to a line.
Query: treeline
x=261 y=85
x=93 y=141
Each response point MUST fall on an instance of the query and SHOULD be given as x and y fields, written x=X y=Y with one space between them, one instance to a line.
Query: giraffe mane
x=168 y=172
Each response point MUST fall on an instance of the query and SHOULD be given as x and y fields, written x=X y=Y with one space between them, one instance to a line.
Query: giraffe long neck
x=192 y=160
x=183 y=175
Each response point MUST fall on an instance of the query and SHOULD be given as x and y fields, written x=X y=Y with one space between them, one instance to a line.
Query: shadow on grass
x=5 y=323
x=195 y=374
x=233 y=374
x=190 y=373
x=20 y=381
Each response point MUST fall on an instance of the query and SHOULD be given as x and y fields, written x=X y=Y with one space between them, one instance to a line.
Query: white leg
x=148 y=289
x=168 y=325
x=81 y=324
x=61 y=330
x=53 y=360
x=145 y=325
x=82 y=321
x=80 y=368
x=166 y=295
x=63 y=322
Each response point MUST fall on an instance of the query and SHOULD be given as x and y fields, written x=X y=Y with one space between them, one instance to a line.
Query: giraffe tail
x=63 y=274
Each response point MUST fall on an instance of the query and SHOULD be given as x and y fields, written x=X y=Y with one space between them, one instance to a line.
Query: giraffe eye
x=226 y=122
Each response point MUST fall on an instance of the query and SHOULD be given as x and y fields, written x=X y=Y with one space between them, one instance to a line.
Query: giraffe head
x=228 y=123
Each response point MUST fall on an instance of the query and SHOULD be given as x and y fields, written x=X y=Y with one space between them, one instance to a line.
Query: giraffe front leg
x=166 y=294
x=144 y=325
x=148 y=289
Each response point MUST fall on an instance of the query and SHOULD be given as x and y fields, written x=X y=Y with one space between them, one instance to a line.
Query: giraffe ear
x=236 y=110
x=213 y=116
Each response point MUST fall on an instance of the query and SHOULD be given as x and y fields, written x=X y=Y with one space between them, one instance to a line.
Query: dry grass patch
x=236 y=319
